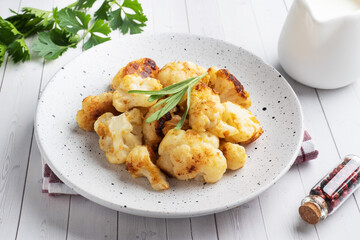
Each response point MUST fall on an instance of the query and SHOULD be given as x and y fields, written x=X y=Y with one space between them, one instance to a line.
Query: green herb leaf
x=73 y=21
x=115 y=19
x=98 y=27
x=133 y=4
x=188 y=101
x=84 y=4
x=94 y=40
x=36 y=12
x=32 y=20
x=19 y=51
x=63 y=28
x=154 y=97
x=128 y=18
x=130 y=25
x=103 y=11
x=3 y=48
x=47 y=48
x=170 y=104
x=177 y=92
x=167 y=90
x=14 y=42
x=8 y=32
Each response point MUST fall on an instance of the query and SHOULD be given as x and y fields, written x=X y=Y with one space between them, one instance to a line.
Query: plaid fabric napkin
x=54 y=186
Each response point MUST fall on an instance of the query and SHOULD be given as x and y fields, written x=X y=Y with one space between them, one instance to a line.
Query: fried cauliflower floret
x=143 y=67
x=119 y=134
x=190 y=154
x=206 y=112
x=235 y=155
x=228 y=87
x=156 y=130
x=123 y=101
x=140 y=162
x=244 y=121
x=92 y=108
x=175 y=72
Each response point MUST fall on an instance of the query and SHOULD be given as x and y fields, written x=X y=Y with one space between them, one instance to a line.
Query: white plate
x=75 y=157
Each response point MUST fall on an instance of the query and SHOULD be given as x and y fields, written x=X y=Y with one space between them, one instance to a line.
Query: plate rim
x=163 y=214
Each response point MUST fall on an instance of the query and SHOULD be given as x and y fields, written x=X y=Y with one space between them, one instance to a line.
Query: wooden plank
x=89 y=220
x=52 y=216
x=42 y=216
x=244 y=222
x=204 y=18
x=178 y=229
x=170 y=16
x=239 y=24
x=52 y=212
x=204 y=228
x=18 y=102
x=135 y=227
x=4 y=13
x=147 y=6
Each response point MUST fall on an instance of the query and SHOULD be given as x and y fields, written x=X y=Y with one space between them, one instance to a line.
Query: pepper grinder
x=331 y=191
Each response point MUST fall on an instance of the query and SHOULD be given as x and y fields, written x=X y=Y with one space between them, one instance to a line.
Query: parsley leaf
x=115 y=19
x=103 y=11
x=19 y=51
x=3 y=48
x=8 y=33
x=98 y=27
x=61 y=29
x=130 y=24
x=73 y=21
x=47 y=48
x=84 y=4
x=133 y=4
x=13 y=41
x=125 y=21
x=29 y=23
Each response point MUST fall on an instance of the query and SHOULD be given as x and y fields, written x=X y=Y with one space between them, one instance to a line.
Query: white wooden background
x=331 y=117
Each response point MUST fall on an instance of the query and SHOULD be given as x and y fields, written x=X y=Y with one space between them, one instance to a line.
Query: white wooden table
x=331 y=117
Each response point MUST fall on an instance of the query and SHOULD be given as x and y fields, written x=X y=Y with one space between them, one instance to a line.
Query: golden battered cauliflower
x=176 y=72
x=123 y=101
x=156 y=130
x=206 y=111
x=140 y=162
x=244 y=121
x=119 y=134
x=92 y=108
x=228 y=87
x=190 y=154
x=235 y=155
x=143 y=67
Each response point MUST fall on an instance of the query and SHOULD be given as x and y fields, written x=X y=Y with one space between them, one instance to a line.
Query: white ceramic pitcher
x=321 y=52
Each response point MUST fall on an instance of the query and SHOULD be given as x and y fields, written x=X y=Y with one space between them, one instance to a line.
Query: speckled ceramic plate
x=74 y=155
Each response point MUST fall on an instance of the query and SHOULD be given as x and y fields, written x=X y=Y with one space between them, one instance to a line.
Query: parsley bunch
x=61 y=29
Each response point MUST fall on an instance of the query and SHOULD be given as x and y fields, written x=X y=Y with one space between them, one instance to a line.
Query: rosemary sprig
x=173 y=94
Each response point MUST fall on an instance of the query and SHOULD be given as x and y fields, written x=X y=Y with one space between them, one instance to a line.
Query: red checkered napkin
x=54 y=186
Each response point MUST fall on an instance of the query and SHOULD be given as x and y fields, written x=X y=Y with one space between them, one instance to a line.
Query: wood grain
x=135 y=227
x=18 y=100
